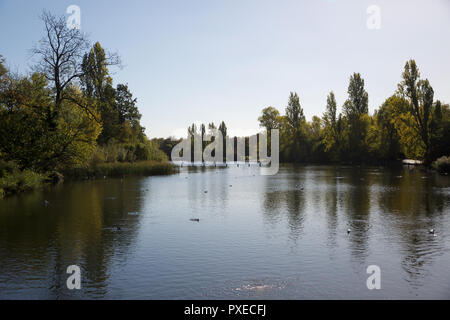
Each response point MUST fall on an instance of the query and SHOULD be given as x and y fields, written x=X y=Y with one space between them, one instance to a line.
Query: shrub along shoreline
x=121 y=169
x=68 y=118
x=14 y=181
x=442 y=165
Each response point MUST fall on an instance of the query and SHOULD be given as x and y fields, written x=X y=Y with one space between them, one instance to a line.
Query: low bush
x=128 y=152
x=442 y=165
x=13 y=180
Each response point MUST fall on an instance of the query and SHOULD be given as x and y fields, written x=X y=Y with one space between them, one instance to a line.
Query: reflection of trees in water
x=78 y=227
x=272 y=204
x=408 y=193
x=331 y=199
x=356 y=205
x=284 y=195
x=401 y=204
x=295 y=204
x=419 y=251
x=413 y=204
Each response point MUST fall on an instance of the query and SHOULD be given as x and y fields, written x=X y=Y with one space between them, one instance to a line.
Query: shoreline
x=18 y=182
x=27 y=180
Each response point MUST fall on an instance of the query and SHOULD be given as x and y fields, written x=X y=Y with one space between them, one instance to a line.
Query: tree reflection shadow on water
x=398 y=205
x=281 y=236
x=40 y=242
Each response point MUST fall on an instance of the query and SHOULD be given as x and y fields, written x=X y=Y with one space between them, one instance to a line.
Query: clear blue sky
x=201 y=61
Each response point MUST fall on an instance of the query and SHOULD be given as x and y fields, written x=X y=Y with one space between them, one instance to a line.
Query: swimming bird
x=206 y=191
x=118 y=228
x=46 y=203
x=348 y=231
x=195 y=219
x=431 y=231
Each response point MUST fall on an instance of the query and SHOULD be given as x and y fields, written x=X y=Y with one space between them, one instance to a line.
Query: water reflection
x=282 y=236
x=398 y=205
x=213 y=182
x=413 y=204
x=284 y=196
x=39 y=242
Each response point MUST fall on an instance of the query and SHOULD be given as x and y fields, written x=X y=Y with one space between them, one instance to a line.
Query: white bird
x=348 y=231
x=431 y=231
x=46 y=203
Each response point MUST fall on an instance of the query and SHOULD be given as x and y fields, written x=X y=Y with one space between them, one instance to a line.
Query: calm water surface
x=262 y=237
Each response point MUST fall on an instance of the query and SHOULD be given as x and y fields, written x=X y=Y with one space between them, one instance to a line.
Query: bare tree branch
x=60 y=55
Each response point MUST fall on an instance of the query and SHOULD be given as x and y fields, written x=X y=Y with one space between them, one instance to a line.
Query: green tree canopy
x=269 y=118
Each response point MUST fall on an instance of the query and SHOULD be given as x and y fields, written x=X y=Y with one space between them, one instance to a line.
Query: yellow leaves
x=410 y=140
x=78 y=129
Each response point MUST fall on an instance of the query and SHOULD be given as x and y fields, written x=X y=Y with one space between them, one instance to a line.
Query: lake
x=258 y=237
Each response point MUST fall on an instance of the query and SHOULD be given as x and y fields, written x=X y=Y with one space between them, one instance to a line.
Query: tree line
x=409 y=124
x=66 y=112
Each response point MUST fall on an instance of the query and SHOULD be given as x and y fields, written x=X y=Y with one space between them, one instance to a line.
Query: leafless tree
x=60 y=53
x=60 y=58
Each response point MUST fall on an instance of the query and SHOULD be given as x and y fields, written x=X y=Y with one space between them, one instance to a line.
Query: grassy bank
x=13 y=180
x=120 y=169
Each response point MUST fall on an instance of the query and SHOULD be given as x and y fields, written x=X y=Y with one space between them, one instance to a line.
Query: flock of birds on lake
x=117 y=228
x=47 y=203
